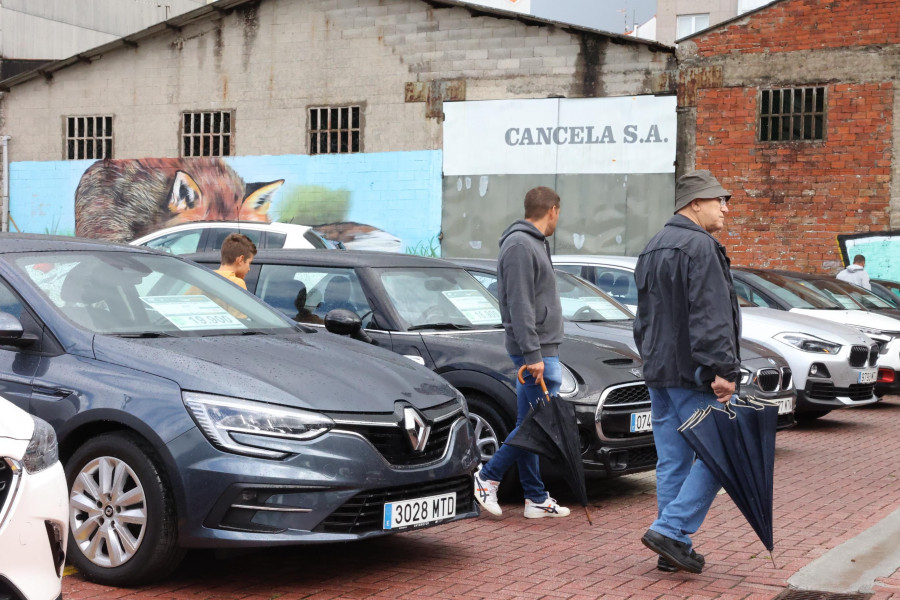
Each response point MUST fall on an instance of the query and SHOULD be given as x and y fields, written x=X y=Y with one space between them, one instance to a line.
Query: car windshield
x=848 y=295
x=789 y=291
x=585 y=303
x=145 y=295
x=439 y=298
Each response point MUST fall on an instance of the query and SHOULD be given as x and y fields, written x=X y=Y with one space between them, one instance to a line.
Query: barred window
x=334 y=130
x=793 y=114
x=207 y=133
x=89 y=137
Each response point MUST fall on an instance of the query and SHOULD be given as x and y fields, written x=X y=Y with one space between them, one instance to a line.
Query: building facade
x=337 y=105
x=794 y=107
x=677 y=19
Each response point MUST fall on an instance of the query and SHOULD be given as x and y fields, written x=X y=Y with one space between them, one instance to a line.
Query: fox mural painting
x=120 y=200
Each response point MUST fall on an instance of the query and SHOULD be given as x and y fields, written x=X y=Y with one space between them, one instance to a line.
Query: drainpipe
x=4 y=195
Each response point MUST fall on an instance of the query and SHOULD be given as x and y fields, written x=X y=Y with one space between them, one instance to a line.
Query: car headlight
x=219 y=417
x=462 y=401
x=745 y=376
x=569 y=386
x=808 y=343
x=42 y=451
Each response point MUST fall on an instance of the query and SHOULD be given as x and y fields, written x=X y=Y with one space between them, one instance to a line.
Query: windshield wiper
x=144 y=334
x=439 y=326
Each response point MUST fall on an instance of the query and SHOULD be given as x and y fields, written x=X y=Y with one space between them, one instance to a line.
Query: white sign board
x=546 y=136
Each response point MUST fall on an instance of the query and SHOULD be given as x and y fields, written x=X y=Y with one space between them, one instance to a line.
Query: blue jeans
x=526 y=395
x=685 y=488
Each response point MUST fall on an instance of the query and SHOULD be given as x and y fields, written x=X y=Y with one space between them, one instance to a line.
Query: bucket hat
x=695 y=185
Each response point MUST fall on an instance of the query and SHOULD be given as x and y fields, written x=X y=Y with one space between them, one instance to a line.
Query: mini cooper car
x=192 y=415
x=33 y=505
x=592 y=313
x=435 y=314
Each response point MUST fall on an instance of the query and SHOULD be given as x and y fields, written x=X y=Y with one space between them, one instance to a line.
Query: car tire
x=810 y=415
x=122 y=532
x=490 y=431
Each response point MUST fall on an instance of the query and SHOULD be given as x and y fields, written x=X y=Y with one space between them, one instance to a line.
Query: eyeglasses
x=723 y=201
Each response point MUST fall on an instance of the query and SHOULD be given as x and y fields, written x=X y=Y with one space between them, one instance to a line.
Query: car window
x=747 y=293
x=9 y=302
x=584 y=302
x=573 y=269
x=105 y=292
x=618 y=283
x=833 y=293
x=848 y=294
x=429 y=296
x=217 y=236
x=180 y=242
x=487 y=280
x=306 y=294
x=788 y=290
x=275 y=240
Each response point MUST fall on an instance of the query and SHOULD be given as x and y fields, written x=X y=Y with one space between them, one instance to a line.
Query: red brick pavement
x=833 y=479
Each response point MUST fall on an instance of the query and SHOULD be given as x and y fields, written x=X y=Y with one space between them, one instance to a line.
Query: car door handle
x=49 y=393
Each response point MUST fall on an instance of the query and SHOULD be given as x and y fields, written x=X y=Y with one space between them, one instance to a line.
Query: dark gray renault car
x=191 y=414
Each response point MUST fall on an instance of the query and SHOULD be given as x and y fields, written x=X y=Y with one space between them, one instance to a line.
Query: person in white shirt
x=856 y=273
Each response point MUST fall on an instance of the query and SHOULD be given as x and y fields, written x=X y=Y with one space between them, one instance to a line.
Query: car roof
x=330 y=258
x=596 y=259
x=38 y=242
x=275 y=226
x=489 y=264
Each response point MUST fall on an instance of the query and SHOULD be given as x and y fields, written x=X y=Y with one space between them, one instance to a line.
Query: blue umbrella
x=737 y=442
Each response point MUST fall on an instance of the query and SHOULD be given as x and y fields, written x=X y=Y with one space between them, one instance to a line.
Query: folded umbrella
x=737 y=442
x=550 y=429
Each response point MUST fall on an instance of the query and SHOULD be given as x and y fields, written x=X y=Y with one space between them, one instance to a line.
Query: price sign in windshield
x=193 y=312
x=474 y=306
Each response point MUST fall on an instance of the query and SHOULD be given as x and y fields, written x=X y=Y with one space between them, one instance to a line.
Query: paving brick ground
x=834 y=478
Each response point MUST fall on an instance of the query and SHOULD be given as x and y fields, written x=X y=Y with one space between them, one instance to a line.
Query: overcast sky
x=608 y=15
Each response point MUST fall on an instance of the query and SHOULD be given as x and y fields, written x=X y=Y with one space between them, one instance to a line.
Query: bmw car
x=191 y=415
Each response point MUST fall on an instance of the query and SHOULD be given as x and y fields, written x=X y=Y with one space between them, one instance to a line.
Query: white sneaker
x=547 y=508
x=486 y=494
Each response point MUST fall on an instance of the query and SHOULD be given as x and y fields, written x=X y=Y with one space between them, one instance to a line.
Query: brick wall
x=793 y=25
x=791 y=200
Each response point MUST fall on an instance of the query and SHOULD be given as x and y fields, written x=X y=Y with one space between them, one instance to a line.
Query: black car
x=588 y=311
x=889 y=287
x=191 y=414
x=436 y=314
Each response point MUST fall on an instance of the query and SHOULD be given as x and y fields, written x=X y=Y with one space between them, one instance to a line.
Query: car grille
x=628 y=395
x=787 y=378
x=768 y=379
x=826 y=391
x=393 y=443
x=364 y=512
x=873 y=355
x=642 y=457
x=7 y=483
x=859 y=355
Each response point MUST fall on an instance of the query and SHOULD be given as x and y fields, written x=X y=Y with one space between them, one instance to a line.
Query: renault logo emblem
x=416 y=428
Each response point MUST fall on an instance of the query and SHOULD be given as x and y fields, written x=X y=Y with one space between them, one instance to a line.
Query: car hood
x=856 y=318
x=761 y=324
x=302 y=370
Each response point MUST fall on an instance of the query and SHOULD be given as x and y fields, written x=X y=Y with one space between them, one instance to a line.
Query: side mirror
x=346 y=322
x=12 y=333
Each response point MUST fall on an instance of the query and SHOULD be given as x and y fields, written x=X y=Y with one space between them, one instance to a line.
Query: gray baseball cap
x=695 y=185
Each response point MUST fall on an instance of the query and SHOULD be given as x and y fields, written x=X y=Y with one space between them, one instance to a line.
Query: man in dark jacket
x=532 y=317
x=687 y=330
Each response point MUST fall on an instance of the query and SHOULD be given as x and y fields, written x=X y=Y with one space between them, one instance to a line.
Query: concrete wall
x=793 y=199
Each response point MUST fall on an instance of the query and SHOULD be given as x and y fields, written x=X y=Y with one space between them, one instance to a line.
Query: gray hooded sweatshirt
x=529 y=301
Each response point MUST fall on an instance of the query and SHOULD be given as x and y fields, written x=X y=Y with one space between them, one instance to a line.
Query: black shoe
x=663 y=565
x=675 y=552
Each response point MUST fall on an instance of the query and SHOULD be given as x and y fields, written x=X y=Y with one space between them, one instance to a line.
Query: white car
x=833 y=365
x=200 y=236
x=34 y=507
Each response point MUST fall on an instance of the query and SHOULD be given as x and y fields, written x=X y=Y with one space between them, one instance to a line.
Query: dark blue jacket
x=688 y=316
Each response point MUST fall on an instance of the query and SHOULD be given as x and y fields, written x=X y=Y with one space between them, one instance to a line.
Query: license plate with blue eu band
x=421 y=511
x=640 y=422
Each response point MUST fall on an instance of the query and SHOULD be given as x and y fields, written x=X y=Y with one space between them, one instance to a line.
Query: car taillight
x=885 y=375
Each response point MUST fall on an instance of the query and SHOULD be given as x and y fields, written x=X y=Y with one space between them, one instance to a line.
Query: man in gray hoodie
x=532 y=317
x=856 y=273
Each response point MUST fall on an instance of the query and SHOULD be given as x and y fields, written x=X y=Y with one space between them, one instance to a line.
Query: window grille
x=334 y=130
x=794 y=114
x=89 y=137
x=207 y=133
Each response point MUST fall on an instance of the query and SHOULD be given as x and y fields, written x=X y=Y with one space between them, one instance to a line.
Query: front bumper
x=33 y=536
x=330 y=489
